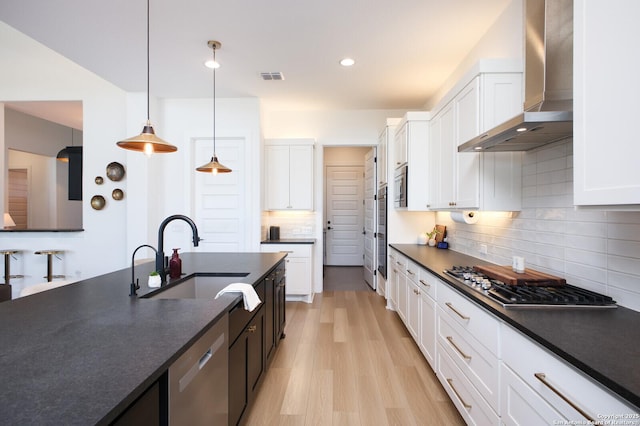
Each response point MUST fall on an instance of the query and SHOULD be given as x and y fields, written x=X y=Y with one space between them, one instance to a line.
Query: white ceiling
x=404 y=49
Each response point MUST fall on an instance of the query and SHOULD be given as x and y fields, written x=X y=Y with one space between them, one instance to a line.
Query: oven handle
x=543 y=378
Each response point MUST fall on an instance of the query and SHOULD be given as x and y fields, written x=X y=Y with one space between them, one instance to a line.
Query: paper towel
x=468 y=217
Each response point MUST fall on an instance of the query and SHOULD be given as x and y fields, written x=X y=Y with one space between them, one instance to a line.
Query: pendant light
x=147 y=141
x=63 y=154
x=214 y=166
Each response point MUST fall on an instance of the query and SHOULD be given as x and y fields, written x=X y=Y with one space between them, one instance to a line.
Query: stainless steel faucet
x=134 y=286
x=161 y=260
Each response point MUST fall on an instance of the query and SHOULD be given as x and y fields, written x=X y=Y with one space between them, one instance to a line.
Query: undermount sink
x=198 y=287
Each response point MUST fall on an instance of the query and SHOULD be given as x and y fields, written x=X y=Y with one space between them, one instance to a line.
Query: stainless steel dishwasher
x=198 y=380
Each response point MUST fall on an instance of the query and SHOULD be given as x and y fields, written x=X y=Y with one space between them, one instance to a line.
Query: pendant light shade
x=214 y=165
x=147 y=141
x=63 y=154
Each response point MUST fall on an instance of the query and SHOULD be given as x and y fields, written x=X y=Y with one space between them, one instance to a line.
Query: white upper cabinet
x=606 y=152
x=384 y=142
x=486 y=181
x=289 y=175
x=412 y=135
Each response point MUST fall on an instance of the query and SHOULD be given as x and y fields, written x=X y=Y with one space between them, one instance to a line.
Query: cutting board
x=529 y=277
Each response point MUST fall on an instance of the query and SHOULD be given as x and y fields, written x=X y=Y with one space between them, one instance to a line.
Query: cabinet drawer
x=543 y=371
x=239 y=317
x=400 y=262
x=472 y=407
x=475 y=320
x=521 y=405
x=478 y=364
x=292 y=250
x=412 y=271
x=428 y=283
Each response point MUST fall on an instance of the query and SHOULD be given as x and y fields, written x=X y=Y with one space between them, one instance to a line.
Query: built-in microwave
x=400 y=187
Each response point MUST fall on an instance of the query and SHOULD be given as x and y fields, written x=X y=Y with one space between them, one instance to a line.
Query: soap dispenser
x=175 y=265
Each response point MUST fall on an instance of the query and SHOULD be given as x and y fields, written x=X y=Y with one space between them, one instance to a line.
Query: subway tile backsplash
x=594 y=249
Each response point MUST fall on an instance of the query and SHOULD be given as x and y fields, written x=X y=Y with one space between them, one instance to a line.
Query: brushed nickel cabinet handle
x=252 y=328
x=462 y=354
x=450 y=306
x=417 y=292
x=409 y=271
x=425 y=283
x=464 y=404
x=399 y=263
x=543 y=378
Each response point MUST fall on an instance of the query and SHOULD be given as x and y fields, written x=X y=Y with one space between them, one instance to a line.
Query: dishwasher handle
x=191 y=374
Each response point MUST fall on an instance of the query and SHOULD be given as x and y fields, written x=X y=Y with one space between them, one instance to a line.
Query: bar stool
x=50 y=254
x=8 y=254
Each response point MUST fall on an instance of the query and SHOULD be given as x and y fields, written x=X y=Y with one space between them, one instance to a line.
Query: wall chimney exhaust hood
x=548 y=79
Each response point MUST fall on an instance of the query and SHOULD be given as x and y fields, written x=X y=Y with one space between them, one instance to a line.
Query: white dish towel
x=249 y=295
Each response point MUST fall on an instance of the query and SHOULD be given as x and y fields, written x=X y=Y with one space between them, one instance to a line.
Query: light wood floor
x=346 y=360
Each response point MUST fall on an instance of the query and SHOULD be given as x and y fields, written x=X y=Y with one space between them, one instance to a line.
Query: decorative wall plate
x=117 y=194
x=115 y=171
x=98 y=202
x=98 y=180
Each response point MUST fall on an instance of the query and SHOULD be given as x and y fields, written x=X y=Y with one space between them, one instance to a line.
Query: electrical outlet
x=483 y=249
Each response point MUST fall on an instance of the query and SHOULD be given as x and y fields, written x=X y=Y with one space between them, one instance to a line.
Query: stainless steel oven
x=400 y=187
x=382 y=232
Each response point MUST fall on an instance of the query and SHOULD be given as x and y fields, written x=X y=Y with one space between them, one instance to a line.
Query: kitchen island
x=597 y=342
x=83 y=353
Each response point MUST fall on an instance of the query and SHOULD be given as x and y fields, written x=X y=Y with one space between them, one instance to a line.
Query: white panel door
x=370 y=216
x=219 y=199
x=345 y=215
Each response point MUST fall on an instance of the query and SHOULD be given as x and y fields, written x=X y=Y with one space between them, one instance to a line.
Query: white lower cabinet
x=470 y=404
x=536 y=384
x=413 y=308
x=427 y=335
x=298 y=267
x=459 y=321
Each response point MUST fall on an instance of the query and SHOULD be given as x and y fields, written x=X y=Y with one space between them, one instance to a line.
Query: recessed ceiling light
x=211 y=64
x=347 y=62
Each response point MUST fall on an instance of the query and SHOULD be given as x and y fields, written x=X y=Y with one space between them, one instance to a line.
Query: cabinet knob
x=252 y=328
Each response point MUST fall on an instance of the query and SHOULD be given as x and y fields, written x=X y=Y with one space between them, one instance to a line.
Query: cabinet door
x=401 y=279
x=467 y=164
x=381 y=157
x=298 y=275
x=279 y=308
x=413 y=309
x=445 y=194
x=270 y=315
x=435 y=166
x=400 y=146
x=301 y=177
x=255 y=351
x=418 y=160
x=277 y=177
x=238 y=391
x=427 y=337
x=605 y=148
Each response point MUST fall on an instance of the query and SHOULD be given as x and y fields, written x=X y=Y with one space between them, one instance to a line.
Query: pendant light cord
x=148 y=115
x=214 y=99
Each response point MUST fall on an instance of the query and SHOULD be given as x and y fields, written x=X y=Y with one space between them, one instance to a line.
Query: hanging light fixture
x=147 y=141
x=63 y=154
x=214 y=166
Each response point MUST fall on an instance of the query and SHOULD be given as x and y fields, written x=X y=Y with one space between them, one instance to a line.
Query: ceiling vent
x=272 y=76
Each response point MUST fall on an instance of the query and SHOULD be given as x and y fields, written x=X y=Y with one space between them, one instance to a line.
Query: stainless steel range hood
x=548 y=104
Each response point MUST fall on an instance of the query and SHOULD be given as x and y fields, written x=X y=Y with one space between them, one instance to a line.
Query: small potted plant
x=154 y=279
x=432 y=236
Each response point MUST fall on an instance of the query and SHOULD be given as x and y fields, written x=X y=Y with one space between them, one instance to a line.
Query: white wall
x=101 y=247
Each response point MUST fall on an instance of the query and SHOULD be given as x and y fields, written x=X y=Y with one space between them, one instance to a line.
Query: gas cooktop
x=525 y=296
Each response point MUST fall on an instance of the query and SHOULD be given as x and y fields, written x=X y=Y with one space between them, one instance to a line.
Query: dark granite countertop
x=82 y=353
x=290 y=241
x=602 y=343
